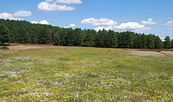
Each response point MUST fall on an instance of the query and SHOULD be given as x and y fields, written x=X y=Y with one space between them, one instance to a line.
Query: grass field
x=76 y=74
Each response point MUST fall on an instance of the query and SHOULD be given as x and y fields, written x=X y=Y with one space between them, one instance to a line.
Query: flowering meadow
x=76 y=74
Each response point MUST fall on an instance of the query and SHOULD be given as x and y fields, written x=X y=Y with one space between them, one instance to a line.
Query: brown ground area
x=152 y=53
x=138 y=52
x=17 y=47
x=28 y=46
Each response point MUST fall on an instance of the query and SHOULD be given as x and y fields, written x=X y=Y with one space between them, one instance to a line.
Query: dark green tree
x=4 y=34
x=167 y=42
x=140 y=41
x=107 y=39
x=126 y=39
x=62 y=34
x=112 y=39
x=69 y=39
x=158 y=43
x=101 y=38
x=78 y=37
x=56 y=38
x=89 y=38
x=150 y=41
x=44 y=36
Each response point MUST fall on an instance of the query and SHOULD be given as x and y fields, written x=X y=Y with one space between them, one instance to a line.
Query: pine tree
x=150 y=42
x=89 y=38
x=4 y=34
x=112 y=39
x=78 y=37
x=167 y=42
x=158 y=43
x=126 y=39
x=56 y=40
x=140 y=41
x=69 y=39
x=101 y=38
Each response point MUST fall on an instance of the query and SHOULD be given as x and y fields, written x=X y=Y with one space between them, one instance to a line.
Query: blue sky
x=143 y=16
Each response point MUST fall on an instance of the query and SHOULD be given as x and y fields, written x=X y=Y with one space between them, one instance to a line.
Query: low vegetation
x=75 y=74
x=4 y=48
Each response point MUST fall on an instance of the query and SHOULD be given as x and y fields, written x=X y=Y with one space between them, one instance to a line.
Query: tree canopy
x=13 y=31
x=4 y=34
x=167 y=42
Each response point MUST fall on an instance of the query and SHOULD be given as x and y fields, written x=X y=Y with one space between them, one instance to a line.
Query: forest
x=13 y=31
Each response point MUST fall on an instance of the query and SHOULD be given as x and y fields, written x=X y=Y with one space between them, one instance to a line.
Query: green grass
x=72 y=74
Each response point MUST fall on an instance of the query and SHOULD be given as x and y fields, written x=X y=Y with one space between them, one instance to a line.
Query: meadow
x=79 y=74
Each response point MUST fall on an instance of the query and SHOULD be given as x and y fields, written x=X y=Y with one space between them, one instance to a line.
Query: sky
x=141 y=16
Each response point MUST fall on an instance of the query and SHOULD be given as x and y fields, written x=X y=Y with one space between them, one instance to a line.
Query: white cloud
x=99 y=22
x=6 y=15
x=49 y=1
x=40 y=22
x=109 y=24
x=35 y=22
x=148 y=22
x=9 y=16
x=47 y=6
x=22 y=14
x=44 y=22
x=70 y=25
x=69 y=1
x=105 y=28
x=14 y=16
x=132 y=26
x=169 y=23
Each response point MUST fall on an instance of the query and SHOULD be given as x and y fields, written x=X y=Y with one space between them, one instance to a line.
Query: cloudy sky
x=143 y=16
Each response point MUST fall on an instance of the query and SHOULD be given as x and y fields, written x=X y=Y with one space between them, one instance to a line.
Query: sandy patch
x=17 y=47
x=24 y=47
x=152 y=53
x=168 y=52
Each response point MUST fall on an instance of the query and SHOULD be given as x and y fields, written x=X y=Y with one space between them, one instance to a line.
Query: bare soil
x=17 y=47
x=152 y=53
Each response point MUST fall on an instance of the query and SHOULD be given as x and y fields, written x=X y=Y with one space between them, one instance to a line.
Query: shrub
x=4 y=48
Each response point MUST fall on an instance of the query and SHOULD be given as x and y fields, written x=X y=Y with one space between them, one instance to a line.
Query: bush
x=4 y=48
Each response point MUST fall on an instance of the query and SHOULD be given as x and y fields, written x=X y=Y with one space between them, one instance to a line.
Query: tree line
x=12 y=31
